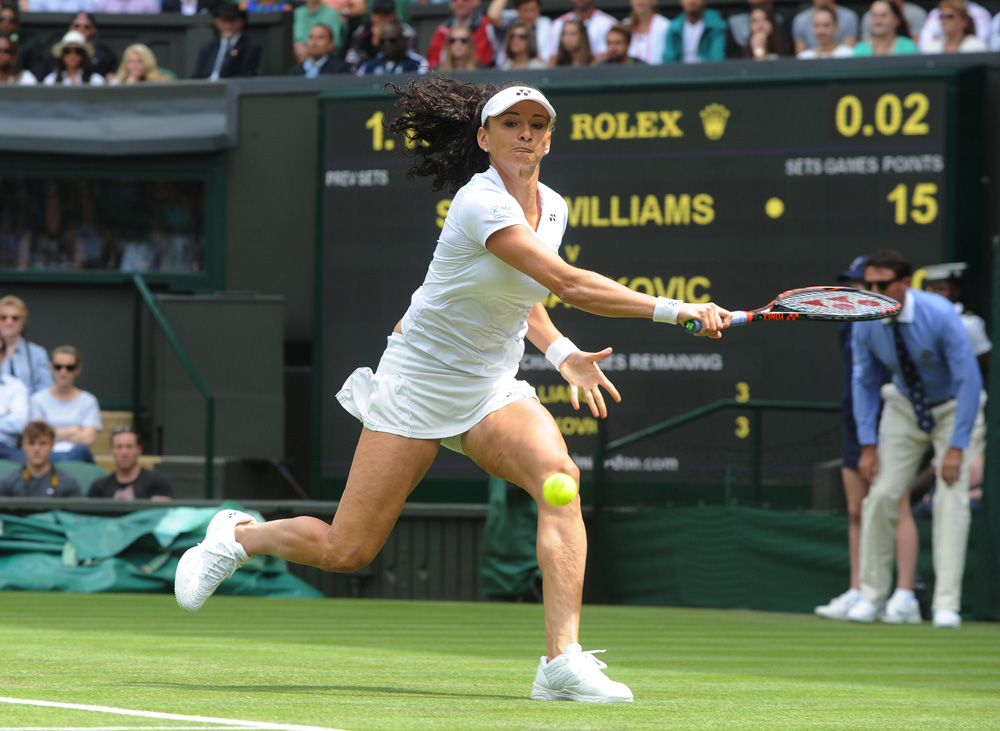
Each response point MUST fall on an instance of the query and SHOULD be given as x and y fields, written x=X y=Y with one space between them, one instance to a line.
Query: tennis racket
x=816 y=303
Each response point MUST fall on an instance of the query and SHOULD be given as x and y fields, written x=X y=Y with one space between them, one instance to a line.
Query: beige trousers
x=901 y=446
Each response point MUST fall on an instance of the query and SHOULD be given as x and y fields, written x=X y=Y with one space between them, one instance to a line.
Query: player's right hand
x=713 y=318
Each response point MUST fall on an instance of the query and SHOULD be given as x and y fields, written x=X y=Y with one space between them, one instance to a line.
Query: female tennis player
x=448 y=373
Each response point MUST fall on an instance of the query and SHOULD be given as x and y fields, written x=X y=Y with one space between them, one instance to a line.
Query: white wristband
x=666 y=310
x=559 y=351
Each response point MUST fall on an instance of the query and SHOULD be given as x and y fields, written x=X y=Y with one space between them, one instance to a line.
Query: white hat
x=506 y=98
x=951 y=270
x=73 y=38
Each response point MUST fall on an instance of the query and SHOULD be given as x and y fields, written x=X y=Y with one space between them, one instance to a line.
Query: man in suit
x=233 y=53
x=320 y=58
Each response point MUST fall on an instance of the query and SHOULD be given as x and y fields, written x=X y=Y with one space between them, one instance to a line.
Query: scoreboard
x=728 y=191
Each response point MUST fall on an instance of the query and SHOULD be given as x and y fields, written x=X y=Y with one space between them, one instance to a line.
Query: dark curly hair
x=438 y=123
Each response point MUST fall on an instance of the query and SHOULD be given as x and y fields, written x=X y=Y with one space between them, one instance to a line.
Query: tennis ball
x=559 y=489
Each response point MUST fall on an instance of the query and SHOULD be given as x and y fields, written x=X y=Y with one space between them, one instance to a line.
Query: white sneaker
x=862 y=612
x=576 y=676
x=839 y=606
x=202 y=568
x=901 y=609
x=947 y=619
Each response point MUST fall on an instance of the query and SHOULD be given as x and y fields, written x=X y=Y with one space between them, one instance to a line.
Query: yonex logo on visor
x=506 y=98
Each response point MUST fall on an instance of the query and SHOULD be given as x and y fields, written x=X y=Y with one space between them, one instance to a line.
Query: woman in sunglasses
x=521 y=49
x=71 y=411
x=460 y=52
x=958 y=31
x=26 y=361
x=11 y=71
x=73 y=62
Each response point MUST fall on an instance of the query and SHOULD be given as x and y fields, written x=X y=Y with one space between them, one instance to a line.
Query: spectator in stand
x=395 y=56
x=618 y=43
x=320 y=59
x=698 y=34
x=11 y=71
x=233 y=53
x=308 y=15
x=574 y=45
x=73 y=63
x=739 y=27
x=14 y=411
x=649 y=32
x=825 y=30
x=464 y=12
x=103 y=59
x=38 y=477
x=127 y=7
x=458 y=54
x=766 y=39
x=72 y=412
x=915 y=16
x=596 y=22
x=138 y=66
x=519 y=49
x=802 y=26
x=190 y=7
x=930 y=34
x=26 y=361
x=528 y=12
x=890 y=33
x=130 y=480
x=32 y=56
x=367 y=38
x=958 y=31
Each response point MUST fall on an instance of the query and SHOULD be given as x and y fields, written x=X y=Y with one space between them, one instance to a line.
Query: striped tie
x=914 y=384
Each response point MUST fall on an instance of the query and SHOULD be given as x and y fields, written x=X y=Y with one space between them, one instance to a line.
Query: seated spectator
x=766 y=40
x=32 y=56
x=26 y=361
x=127 y=7
x=890 y=34
x=320 y=59
x=233 y=53
x=138 y=65
x=13 y=412
x=698 y=34
x=802 y=26
x=574 y=45
x=395 y=56
x=190 y=7
x=464 y=12
x=649 y=32
x=528 y=12
x=367 y=37
x=73 y=63
x=38 y=477
x=309 y=14
x=618 y=42
x=103 y=60
x=930 y=34
x=72 y=412
x=519 y=49
x=825 y=30
x=915 y=16
x=458 y=55
x=739 y=27
x=130 y=480
x=10 y=65
x=958 y=31
x=265 y=6
x=595 y=22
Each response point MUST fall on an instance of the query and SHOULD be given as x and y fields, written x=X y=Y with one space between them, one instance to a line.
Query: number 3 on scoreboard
x=921 y=209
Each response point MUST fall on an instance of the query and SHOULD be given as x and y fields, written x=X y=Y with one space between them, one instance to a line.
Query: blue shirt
x=29 y=363
x=940 y=348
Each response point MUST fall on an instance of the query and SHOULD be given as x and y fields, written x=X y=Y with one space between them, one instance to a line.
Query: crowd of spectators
x=505 y=34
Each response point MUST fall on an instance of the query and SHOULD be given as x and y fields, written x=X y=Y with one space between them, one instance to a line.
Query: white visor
x=505 y=99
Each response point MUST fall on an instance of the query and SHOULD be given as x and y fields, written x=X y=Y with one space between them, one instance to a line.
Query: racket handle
x=739 y=318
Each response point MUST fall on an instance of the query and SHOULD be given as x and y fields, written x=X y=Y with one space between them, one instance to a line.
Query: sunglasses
x=7 y=19
x=9 y=51
x=522 y=36
x=10 y=318
x=948 y=16
x=82 y=26
x=72 y=52
x=65 y=367
x=880 y=284
x=458 y=40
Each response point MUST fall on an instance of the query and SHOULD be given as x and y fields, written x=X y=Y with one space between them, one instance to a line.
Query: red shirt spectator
x=467 y=13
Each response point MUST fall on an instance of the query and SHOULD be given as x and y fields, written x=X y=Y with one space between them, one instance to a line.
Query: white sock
x=906 y=593
x=853 y=593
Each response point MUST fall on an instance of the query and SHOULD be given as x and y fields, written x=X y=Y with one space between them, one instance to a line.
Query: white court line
x=122 y=728
x=169 y=716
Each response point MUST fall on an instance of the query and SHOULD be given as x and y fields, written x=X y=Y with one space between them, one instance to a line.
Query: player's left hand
x=581 y=371
x=951 y=465
x=713 y=318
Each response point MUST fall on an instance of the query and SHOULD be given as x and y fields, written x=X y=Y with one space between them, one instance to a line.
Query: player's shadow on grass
x=320 y=689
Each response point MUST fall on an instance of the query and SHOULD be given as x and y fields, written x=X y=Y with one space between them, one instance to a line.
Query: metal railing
x=142 y=294
x=756 y=407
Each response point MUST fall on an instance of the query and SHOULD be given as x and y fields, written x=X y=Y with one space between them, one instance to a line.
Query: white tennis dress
x=463 y=334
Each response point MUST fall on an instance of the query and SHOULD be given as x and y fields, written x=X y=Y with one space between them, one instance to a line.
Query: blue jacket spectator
x=699 y=34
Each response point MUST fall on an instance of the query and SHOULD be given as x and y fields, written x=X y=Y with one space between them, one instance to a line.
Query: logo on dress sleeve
x=501 y=211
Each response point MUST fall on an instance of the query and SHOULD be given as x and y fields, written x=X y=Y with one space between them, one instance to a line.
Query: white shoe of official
x=839 y=606
x=863 y=611
x=947 y=619
x=901 y=609
x=202 y=568
x=576 y=676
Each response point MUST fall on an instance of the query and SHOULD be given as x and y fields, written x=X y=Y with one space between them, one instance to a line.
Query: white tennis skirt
x=414 y=395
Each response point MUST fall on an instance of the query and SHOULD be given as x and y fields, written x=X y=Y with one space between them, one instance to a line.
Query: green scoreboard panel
x=731 y=191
